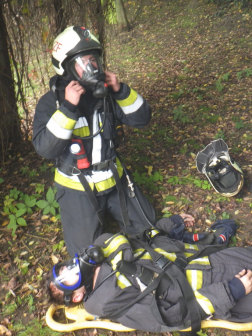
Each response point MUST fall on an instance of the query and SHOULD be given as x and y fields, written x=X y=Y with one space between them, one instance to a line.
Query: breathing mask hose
x=100 y=129
x=133 y=194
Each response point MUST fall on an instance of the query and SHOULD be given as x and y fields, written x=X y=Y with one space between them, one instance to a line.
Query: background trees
x=27 y=31
x=9 y=125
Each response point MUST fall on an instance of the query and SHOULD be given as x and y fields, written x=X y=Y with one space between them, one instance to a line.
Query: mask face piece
x=67 y=275
x=77 y=272
x=86 y=68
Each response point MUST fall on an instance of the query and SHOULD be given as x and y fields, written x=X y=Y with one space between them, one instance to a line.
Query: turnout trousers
x=80 y=222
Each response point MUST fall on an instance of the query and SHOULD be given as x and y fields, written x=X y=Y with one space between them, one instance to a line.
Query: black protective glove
x=179 y=232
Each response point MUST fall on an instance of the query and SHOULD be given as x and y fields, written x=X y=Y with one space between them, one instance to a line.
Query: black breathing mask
x=86 y=68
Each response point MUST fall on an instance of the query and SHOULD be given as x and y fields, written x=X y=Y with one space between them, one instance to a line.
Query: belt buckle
x=101 y=165
x=163 y=262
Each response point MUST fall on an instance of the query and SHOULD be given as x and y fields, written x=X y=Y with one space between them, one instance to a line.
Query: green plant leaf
x=46 y=210
x=42 y=204
x=20 y=212
x=55 y=204
x=20 y=206
x=21 y=221
x=52 y=210
x=50 y=195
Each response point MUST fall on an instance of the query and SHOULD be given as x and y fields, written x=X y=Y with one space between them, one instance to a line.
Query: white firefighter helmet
x=72 y=41
x=224 y=174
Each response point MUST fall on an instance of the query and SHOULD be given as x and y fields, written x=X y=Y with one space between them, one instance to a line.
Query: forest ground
x=192 y=61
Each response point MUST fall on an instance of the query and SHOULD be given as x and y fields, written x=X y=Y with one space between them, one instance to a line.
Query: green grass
x=34 y=327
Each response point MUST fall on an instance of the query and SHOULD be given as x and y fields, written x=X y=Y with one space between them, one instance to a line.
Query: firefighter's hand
x=188 y=219
x=246 y=279
x=112 y=81
x=73 y=92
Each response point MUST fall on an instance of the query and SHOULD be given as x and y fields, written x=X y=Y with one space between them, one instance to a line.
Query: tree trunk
x=59 y=16
x=101 y=29
x=122 y=19
x=10 y=123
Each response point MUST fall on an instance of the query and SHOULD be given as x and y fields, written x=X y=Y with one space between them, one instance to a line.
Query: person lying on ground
x=157 y=284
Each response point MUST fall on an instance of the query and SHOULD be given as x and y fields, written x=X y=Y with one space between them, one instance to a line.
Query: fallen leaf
x=55 y=260
x=12 y=283
x=4 y=331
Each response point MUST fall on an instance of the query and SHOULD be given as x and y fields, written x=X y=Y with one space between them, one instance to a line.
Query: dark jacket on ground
x=208 y=276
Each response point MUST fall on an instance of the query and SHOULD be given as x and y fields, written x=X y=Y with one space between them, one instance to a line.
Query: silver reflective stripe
x=194 y=280
x=82 y=122
x=133 y=107
x=75 y=177
x=97 y=143
x=97 y=176
x=59 y=132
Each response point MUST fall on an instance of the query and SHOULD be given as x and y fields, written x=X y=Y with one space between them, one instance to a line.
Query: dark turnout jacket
x=208 y=277
x=54 y=127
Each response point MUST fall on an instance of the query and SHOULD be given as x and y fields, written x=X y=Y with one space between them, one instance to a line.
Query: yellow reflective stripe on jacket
x=65 y=181
x=121 y=281
x=114 y=244
x=61 y=126
x=195 y=279
x=81 y=128
x=206 y=304
x=191 y=247
x=63 y=121
x=153 y=233
x=168 y=255
x=145 y=256
x=187 y=255
x=116 y=259
x=73 y=181
x=200 y=261
x=132 y=103
x=82 y=132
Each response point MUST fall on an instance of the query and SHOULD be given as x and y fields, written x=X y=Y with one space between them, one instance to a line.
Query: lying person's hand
x=246 y=279
x=188 y=220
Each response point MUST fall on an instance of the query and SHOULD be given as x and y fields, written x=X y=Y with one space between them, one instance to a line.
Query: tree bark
x=59 y=16
x=122 y=19
x=10 y=122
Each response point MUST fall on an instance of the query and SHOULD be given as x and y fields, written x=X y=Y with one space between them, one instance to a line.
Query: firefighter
x=158 y=284
x=78 y=123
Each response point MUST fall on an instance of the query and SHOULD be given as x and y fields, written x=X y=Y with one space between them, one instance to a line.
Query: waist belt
x=102 y=165
x=70 y=169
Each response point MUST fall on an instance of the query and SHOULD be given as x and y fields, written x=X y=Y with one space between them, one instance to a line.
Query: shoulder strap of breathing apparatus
x=171 y=272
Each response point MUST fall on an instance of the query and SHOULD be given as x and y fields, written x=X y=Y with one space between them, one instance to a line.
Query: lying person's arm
x=219 y=298
x=166 y=224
